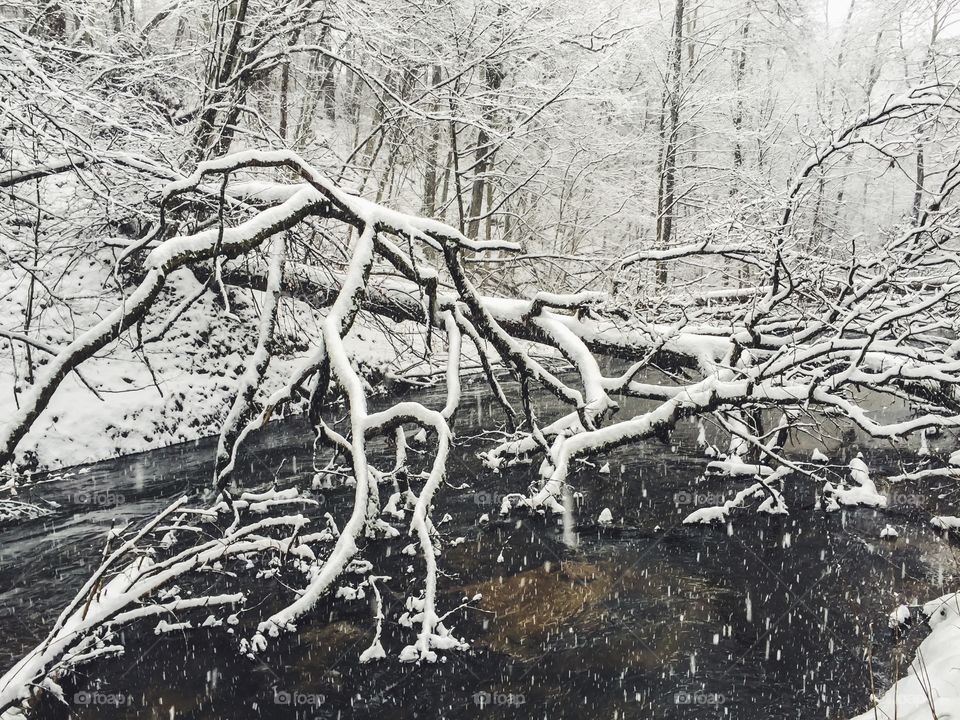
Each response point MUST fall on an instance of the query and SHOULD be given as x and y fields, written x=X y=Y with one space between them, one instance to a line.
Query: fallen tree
x=812 y=336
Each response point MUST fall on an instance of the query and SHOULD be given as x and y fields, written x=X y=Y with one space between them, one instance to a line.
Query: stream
x=762 y=617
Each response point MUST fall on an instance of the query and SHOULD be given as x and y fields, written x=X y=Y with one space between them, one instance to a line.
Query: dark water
x=775 y=617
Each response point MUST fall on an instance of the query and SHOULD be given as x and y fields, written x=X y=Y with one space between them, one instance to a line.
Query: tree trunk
x=483 y=157
x=433 y=145
x=918 y=187
x=222 y=66
x=670 y=121
x=285 y=90
x=740 y=71
x=739 y=74
x=328 y=82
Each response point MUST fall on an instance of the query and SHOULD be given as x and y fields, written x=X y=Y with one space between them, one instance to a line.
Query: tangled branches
x=812 y=336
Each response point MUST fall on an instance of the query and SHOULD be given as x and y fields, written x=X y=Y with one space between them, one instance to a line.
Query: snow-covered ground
x=930 y=689
x=176 y=389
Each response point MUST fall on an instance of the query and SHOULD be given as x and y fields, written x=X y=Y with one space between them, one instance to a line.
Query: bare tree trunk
x=872 y=76
x=739 y=74
x=433 y=145
x=816 y=237
x=918 y=187
x=222 y=66
x=824 y=220
x=328 y=81
x=285 y=89
x=940 y=13
x=669 y=123
x=489 y=232
x=691 y=22
x=455 y=166
x=447 y=168
x=740 y=71
x=309 y=103
x=484 y=154
x=31 y=286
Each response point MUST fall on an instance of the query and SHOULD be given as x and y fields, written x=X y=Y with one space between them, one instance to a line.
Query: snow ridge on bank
x=931 y=687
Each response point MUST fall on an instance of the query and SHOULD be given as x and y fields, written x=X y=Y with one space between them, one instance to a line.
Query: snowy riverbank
x=177 y=388
x=931 y=686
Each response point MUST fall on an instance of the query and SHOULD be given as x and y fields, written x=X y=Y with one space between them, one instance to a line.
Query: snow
x=701 y=435
x=53 y=688
x=859 y=470
x=898 y=617
x=734 y=466
x=772 y=503
x=194 y=365
x=864 y=492
x=707 y=515
x=205 y=371
x=374 y=652
x=454 y=350
x=597 y=402
x=836 y=496
x=945 y=522
x=164 y=627
x=931 y=685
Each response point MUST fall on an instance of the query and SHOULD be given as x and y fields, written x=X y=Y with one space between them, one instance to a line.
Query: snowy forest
x=450 y=358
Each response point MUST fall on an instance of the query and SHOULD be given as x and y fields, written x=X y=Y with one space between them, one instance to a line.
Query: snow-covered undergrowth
x=174 y=389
